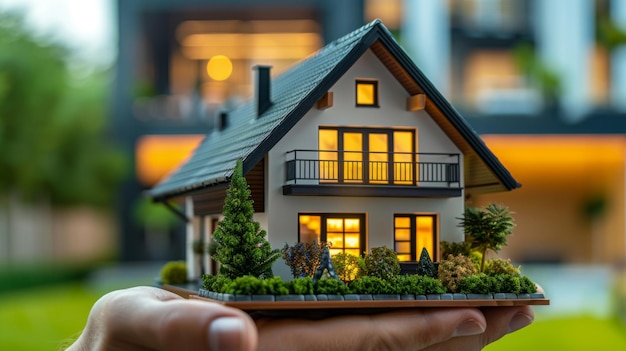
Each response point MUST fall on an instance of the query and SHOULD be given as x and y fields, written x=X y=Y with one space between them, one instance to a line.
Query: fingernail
x=519 y=321
x=469 y=327
x=227 y=333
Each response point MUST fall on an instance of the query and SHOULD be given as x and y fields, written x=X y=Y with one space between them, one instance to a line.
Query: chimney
x=221 y=122
x=262 y=86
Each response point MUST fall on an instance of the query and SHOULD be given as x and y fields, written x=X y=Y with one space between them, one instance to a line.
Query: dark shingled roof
x=293 y=93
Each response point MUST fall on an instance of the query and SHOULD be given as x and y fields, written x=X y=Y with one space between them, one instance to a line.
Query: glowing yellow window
x=367 y=93
x=403 y=157
x=412 y=233
x=328 y=155
x=310 y=228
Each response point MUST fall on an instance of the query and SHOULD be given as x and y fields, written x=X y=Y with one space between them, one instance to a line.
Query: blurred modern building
x=182 y=62
x=544 y=82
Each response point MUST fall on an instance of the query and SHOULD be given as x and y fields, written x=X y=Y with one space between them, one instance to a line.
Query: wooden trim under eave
x=325 y=101
x=416 y=102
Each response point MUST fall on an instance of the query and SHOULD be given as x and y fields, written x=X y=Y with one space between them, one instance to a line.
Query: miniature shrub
x=455 y=248
x=302 y=258
x=207 y=281
x=426 y=266
x=454 y=269
x=382 y=262
x=219 y=284
x=331 y=286
x=371 y=285
x=348 y=267
x=431 y=286
x=301 y=286
x=174 y=272
x=476 y=284
x=245 y=285
x=275 y=286
x=507 y=283
x=527 y=286
x=499 y=266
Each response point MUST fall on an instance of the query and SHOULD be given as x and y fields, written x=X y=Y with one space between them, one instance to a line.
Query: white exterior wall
x=282 y=211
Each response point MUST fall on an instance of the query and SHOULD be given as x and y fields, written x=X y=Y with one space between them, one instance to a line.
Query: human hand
x=429 y=329
x=145 y=318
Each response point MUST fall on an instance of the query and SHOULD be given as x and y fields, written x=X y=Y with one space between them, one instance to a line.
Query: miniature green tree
x=240 y=244
x=487 y=228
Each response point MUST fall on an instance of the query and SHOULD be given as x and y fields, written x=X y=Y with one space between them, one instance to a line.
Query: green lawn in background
x=572 y=334
x=43 y=318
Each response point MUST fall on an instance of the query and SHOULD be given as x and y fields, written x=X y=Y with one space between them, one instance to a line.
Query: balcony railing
x=372 y=168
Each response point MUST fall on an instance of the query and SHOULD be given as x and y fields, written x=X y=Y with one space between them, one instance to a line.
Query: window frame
x=371 y=82
x=413 y=235
x=365 y=177
x=324 y=216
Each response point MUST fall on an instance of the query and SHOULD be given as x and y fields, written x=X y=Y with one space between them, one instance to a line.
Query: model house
x=353 y=146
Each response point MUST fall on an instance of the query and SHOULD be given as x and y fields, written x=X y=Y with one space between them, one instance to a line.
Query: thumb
x=150 y=318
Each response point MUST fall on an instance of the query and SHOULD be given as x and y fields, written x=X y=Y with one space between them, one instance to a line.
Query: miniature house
x=353 y=146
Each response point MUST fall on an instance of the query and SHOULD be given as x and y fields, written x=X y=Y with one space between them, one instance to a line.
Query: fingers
x=500 y=321
x=411 y=329
x=153 y=319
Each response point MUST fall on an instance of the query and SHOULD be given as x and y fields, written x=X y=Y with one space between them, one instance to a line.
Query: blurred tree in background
x=53 y=145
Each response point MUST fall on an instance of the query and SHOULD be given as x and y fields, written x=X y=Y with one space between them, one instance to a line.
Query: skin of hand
x=146 y=318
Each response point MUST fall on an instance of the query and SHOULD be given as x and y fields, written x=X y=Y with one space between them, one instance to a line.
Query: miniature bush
x=527 y=286
x=455 y=248
x=251 y=285
x=499 y=266
x=476 y=284
x=301 y=286
x=430 y=286
x=382 y=262
x=331 y=286
x=454 y=269
x=275 y=286
x=174 y=272
x=215 y=283
x=416 y=284
x=348 y=267
x=245 y=285
x=371 y=285
x=302 y=258
x=507 y=283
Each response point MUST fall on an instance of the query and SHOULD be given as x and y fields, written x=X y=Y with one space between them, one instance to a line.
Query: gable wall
x=282 y=210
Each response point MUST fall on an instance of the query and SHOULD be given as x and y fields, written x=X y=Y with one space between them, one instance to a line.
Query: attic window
x=367 y=93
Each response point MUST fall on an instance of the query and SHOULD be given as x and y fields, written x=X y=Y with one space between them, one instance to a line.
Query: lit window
x=412 y=233
x=368 y=155
x=345 y=233
x=367 y=93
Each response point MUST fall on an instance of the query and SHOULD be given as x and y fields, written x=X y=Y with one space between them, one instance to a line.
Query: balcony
x=354 y=173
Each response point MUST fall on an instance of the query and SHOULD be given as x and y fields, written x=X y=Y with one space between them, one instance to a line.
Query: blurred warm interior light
x=157 y=155
x=261 y=40
x=219 y=67
x=535 y=156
